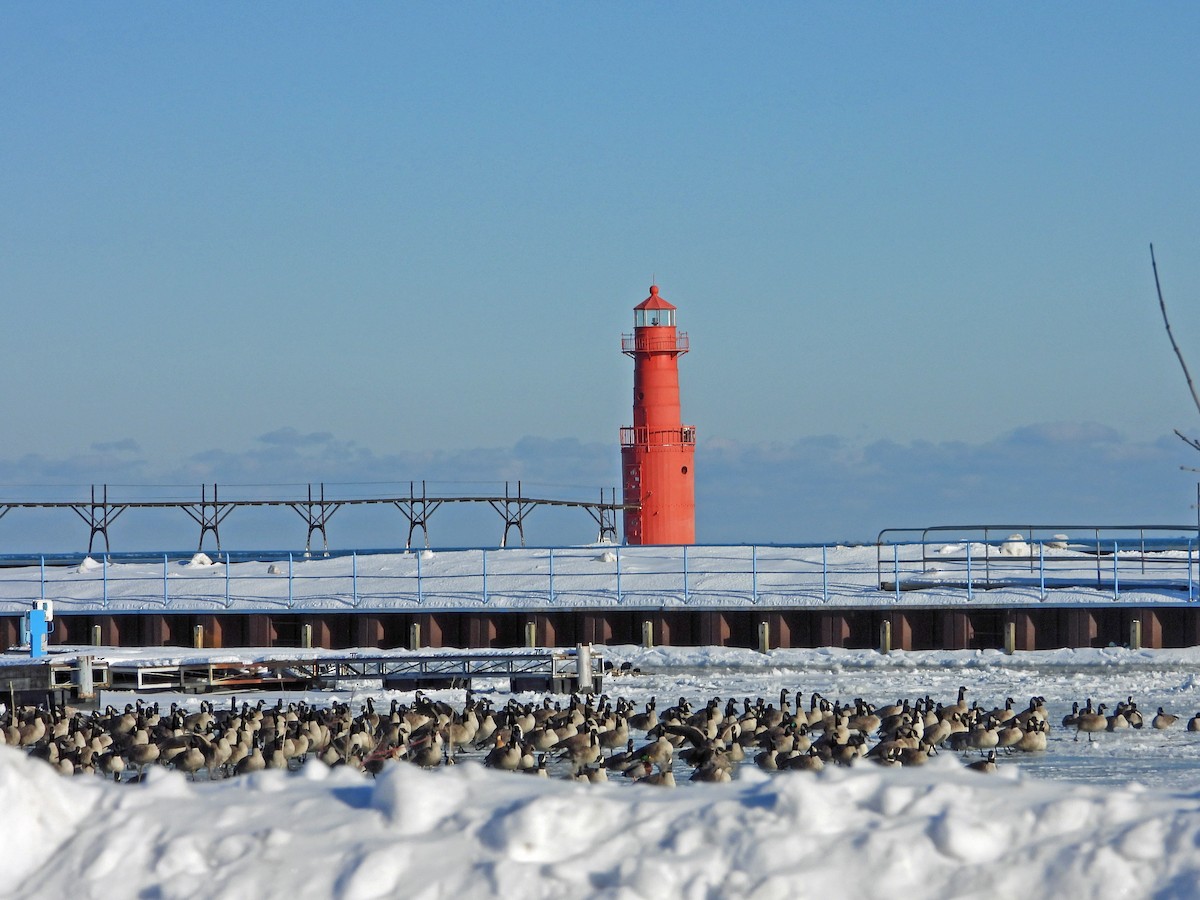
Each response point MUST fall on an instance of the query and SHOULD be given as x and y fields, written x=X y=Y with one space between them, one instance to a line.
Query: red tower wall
x=657 y=452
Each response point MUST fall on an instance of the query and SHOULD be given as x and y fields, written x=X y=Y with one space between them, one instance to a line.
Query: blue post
x=291 y=595
x=354 y=578
x=42 y=569
x=420 y=597
x=104 y=569
x=165 y=579
x=485 y=591
x=551 y=574
x=227 y=601
x=38 y=630
x=754 y=574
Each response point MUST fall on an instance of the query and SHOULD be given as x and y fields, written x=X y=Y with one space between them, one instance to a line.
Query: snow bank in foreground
x=469 y=832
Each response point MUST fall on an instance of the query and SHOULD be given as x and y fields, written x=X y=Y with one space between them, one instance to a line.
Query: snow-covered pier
x=970 y=589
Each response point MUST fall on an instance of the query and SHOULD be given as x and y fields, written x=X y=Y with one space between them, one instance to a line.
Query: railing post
x=896 y=568
x=485 y=585
x=618 y=555
x=1116 y=585
x=291 y=592
x=104 y=570
x=228 y=603
x=551 y=574
x=354 y=579
x=42 y=576
x=970 y=587
x=685 y=574
x=1042 y=567
x=824 y=573
x=754 y=574
x=1189 y=569
x=420 y=594
x=165 y=580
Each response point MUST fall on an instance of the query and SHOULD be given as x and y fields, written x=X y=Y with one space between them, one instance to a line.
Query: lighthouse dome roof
x=654 y=301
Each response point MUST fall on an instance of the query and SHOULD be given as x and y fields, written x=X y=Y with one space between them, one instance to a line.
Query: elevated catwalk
x=1072 y=587
x=99 y=512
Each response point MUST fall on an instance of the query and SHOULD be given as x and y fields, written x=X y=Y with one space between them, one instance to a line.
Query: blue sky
x=280 y=243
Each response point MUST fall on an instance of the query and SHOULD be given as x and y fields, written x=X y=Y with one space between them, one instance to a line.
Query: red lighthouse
x=656 y=453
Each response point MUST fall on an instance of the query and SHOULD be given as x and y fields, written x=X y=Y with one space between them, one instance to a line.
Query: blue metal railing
x=635 y=577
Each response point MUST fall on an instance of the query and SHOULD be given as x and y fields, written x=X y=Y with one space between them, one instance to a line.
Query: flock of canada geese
x=591 y=738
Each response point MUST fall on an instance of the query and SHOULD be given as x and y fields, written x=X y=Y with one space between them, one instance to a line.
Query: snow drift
x=469 y=832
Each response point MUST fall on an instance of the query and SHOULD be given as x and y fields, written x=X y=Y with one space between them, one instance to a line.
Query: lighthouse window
x=684 y=470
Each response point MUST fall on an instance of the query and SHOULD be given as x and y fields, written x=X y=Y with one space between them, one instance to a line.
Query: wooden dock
x=560 y=671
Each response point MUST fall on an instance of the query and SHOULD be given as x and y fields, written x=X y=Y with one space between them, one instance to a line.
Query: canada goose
x=142 y=755
x=1134 y=716
x=1009 y=736
x=919 y=756
x=1002 y=715
x=714 y=771
x=615 y=737
x=1091 y=722
x=986 y=766
x=767 y=760
x=803 y=762
x=890 y=756
x=984 y=736
x=1194 y=723
x=506 y=754
x=581 y=749
x=960 y=706
x=644 y=721
x=664 y=777
x=1070 y=719
x=1034 y=738
x=1163 y=720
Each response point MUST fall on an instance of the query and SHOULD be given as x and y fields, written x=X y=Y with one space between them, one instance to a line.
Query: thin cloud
x=819 y=489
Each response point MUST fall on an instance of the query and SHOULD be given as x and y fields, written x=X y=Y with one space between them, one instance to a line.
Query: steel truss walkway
x=209 y=512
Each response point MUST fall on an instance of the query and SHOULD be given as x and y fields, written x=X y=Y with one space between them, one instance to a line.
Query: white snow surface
x=1119 y=817
x=468 y=832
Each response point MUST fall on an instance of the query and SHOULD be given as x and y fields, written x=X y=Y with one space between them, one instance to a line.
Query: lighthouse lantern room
x=657 y=451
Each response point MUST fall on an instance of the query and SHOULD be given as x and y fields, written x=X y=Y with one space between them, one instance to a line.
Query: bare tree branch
x=1192 y=441
x=1175 y=346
